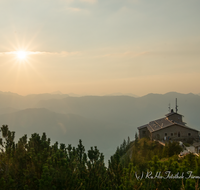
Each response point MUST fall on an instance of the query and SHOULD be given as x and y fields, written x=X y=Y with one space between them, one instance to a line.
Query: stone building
x=171 y=127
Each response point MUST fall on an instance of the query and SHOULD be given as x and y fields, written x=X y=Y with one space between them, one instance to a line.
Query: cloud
x=89 y=1
x=126 y=54
x=73 y=9
x=62 y=53
x=76 y=10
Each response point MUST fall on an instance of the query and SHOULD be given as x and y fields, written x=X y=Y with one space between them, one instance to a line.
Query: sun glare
x=21 y=55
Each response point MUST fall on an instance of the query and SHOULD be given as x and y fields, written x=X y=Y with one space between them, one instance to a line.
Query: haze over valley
x=102 y=121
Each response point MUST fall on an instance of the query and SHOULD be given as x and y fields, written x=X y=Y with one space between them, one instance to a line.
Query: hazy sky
x=100 y=46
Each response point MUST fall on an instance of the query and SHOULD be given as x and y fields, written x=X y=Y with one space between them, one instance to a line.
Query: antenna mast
x=176 y=106
x=169 y=108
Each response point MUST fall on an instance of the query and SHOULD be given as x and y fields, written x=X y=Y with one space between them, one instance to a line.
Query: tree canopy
x=35 y=163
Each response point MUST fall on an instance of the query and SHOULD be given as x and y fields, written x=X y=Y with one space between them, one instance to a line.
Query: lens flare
x=21 y=55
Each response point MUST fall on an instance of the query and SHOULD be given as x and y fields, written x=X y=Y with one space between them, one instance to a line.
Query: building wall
x=144 y=132
x=176 y=117
x=173 y=132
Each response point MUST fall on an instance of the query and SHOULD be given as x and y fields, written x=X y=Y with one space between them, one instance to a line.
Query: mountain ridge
x=99 y=120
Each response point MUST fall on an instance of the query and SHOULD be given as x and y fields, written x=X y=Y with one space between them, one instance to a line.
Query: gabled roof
x=159 y=124
x=162 y=123
x=143 y=126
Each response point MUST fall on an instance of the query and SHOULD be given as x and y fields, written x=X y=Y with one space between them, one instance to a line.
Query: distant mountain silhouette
x=122 y=94
x=16 y=101
x=98 y=120
x=66 y=128
x=126 y=109
x=7 y=110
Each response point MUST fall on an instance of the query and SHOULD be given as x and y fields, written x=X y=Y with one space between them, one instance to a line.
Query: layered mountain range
x=102 y=121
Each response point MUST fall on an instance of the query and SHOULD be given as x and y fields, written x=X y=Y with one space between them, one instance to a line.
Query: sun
x=21 y=55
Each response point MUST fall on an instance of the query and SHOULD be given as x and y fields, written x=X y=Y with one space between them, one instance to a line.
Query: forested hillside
x=143 y=164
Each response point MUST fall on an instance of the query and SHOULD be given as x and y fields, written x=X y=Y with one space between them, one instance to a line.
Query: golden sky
x=99 y=46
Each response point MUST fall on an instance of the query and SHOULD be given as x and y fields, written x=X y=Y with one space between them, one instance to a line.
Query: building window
x=171 y=134
x=144 y=132
x=175 y=134
x=165 y=134
x=189 y=134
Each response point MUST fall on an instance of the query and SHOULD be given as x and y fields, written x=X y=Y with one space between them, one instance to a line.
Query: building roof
x=143 y=126
x=162 y=123
x=172 y=113
x=158 y=124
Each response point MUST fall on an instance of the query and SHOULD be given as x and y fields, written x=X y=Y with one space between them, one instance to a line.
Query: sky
x=98 y=47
